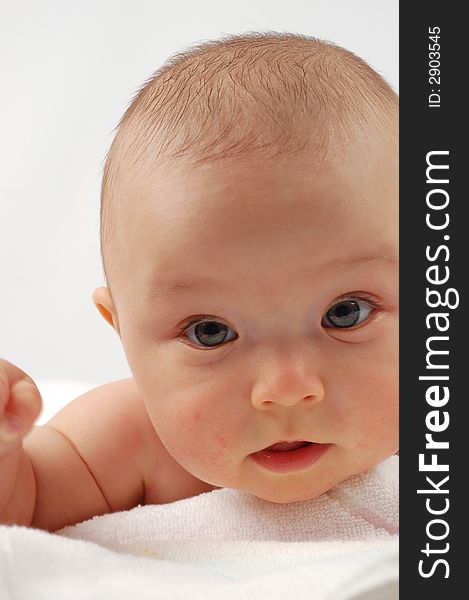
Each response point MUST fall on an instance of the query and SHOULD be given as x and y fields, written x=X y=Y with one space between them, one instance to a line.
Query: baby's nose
x=287 y=382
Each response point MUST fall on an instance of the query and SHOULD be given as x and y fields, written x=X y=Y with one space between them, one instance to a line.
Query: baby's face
x=258 y=302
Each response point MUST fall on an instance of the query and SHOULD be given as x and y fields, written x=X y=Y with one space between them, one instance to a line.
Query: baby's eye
x=348 y=312
x=210 y=334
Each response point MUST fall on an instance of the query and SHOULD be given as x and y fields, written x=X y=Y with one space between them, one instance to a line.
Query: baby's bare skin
x=282 y=239
x=99 y=454
x=255 y=296
x=275 y=239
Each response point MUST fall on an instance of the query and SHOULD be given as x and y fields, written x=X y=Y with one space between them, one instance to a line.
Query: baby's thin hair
x=256 y=94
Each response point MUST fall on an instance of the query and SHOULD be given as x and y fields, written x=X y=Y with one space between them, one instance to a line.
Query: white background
x=68 y=71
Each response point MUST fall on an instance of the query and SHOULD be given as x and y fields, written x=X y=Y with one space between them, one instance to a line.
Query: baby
x=249 y=219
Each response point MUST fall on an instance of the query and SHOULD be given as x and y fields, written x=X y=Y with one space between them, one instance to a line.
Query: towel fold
x=220 y=544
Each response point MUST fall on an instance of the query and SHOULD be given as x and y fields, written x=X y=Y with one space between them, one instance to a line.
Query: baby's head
x=249 y=240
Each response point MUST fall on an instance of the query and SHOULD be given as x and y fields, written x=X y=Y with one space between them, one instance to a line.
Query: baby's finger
x=10 y=375
x=4 y=393
x=23 y=409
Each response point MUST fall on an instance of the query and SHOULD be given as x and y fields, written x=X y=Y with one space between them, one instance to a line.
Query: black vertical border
x=424 y=129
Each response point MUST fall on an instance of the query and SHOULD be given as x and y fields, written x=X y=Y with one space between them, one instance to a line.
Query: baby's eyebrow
x=361 y=260
x=168 y=287
x=171 y=285
x=367 y=258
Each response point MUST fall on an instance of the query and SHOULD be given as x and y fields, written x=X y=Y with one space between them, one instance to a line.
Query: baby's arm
x=90 y=459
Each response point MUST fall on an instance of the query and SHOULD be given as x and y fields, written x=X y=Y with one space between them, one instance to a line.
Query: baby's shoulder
x=123 y=409
x=110 y=431
x=165 y=479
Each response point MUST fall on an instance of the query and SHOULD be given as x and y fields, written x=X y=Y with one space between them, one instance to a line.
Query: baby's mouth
x=286 y=457
x=285 y=446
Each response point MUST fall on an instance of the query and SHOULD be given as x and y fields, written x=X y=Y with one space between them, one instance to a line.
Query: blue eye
x=209 y=334
x=347 y=312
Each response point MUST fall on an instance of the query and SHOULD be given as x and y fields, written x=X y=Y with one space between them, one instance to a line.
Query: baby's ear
x=103 y=302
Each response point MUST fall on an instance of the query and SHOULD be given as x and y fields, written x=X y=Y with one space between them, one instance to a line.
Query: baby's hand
x=20 y=405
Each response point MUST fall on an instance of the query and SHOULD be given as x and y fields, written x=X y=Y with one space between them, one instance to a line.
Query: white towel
x=220 y=544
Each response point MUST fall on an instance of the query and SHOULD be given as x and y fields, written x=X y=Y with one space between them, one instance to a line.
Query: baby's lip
x=285 y=445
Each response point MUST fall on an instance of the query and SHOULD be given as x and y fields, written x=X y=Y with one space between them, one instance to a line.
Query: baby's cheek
x=199 y=429
x=190 y=423
x=379 y=429
x=221 y=440
x=221 y=444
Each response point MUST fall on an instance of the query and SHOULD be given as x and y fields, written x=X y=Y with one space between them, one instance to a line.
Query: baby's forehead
x=235 y=201
x=256 y=221
x=258 y=98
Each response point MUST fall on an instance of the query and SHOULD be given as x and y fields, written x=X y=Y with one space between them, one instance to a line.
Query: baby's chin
x=286 y=496
x=283 y=491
